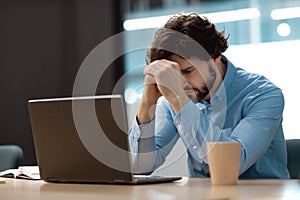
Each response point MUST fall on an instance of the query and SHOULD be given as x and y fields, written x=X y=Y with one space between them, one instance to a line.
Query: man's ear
x=218 y=59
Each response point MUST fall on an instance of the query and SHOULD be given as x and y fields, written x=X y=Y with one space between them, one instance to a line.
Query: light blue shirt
x=246 y=108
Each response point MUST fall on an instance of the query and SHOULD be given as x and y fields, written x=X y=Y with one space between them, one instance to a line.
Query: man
x=193 y=92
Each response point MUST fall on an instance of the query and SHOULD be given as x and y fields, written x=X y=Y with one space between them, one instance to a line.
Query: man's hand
x=169 y=82
x=167 y=76
x=148 y=103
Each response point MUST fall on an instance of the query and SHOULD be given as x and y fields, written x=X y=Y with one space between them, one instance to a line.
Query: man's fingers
x=151 y=70
x=159 y=65
x=149 y=79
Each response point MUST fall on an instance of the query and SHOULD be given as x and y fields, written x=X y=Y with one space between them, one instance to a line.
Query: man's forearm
x=146 y=113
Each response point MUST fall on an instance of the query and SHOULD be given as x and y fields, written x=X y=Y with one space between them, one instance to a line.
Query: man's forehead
x=187 y=62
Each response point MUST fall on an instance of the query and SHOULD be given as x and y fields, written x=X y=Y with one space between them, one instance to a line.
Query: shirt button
x=195 y=147
x=209 y=108
x=221 y=98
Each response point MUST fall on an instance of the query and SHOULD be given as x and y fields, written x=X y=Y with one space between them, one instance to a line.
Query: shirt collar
x=225 y=85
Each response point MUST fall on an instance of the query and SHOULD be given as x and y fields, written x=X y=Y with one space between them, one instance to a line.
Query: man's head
x=181 y=33
x=186 y=38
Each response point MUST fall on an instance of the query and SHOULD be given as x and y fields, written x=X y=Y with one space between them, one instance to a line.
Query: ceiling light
x=217 y=17
x=284 y=29
x=285 y=13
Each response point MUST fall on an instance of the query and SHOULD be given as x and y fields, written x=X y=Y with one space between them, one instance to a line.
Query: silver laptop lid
x=81 y=139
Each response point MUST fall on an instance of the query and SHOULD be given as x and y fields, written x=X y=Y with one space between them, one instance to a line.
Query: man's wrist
x=178 y=102
x=145 y=114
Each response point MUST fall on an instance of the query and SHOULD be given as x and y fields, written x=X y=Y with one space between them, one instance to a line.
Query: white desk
x=185 y=189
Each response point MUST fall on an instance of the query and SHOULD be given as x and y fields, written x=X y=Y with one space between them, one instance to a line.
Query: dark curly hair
x=183 y=35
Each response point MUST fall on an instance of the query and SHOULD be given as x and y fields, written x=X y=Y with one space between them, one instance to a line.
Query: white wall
x=279 y=62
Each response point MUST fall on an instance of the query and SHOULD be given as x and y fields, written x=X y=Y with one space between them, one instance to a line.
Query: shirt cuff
x=143 y=130
x=187 y=117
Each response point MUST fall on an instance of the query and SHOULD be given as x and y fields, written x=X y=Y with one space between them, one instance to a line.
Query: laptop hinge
x=119 y=181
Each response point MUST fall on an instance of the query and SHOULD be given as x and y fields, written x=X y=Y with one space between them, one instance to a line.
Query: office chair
x=293 y=157
x=10 y=157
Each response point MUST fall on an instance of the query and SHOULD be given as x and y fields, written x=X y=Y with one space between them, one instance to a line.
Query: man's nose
x=185 y=83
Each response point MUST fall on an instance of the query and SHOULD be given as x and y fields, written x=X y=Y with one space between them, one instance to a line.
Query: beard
x=199 y=93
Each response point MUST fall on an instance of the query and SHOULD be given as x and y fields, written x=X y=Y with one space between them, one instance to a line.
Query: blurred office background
x=264 y=39
x=42 y=45
x=44 y=42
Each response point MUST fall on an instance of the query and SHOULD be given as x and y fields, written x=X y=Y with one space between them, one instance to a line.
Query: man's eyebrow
x=188 y=68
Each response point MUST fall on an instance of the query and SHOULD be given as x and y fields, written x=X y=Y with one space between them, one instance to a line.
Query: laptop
x=84 y=140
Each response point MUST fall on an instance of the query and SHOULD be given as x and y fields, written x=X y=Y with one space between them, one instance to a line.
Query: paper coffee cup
x=224 y=162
